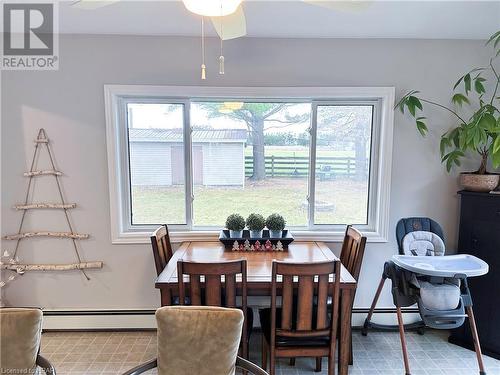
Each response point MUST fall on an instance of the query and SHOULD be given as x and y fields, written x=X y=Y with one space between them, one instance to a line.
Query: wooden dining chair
x=213 y=291
x=162 y=248
x=353 y=250
x=351 y=256
x=162 y=252
x=305 y=328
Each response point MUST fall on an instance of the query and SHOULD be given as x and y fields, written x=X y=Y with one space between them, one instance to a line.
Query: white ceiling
x=296 y=19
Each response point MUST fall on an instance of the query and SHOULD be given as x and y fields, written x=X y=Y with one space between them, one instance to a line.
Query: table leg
x=345 y=330
x=166 y=297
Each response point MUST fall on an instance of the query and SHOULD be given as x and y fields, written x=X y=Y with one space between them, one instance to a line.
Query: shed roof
x=175 y=135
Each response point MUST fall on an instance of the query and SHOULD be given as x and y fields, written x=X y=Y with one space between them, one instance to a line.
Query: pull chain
x=203 y=67
x=221 y=57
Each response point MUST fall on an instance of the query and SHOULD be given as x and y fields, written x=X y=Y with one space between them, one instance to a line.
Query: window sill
x=184 y=236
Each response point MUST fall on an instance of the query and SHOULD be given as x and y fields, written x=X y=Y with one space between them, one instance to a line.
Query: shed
x=157 y=157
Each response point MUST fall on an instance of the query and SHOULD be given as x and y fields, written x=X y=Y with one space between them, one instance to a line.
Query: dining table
x=259 y=266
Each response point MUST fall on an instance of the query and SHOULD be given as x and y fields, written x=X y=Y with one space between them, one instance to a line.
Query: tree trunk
x=259 y=163
x=484 y=164
x=360 y=150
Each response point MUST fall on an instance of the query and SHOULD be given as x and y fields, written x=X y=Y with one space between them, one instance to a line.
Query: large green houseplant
x=477 y=128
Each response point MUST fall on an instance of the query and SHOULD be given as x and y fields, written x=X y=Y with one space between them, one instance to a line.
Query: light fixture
x=212 y=8
x=233 y=105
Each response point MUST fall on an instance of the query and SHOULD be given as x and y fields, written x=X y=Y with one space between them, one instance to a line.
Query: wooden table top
x=258 y=263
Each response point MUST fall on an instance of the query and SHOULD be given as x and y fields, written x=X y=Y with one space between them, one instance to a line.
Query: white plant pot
x=235 y=233
x=275 y=233
x=255 y=234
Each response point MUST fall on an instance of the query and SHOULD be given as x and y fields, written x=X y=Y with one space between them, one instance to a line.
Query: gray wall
x=69 y=104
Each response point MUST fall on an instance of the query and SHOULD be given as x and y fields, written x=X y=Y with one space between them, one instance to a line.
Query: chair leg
x=244 y=348
x=264 y=353
x=331 y=359
x=475 y=337
x=272 y=361
x=292 y=362
x=364 y=331
x=318 y=364
x=351 y=358
x=403 y=340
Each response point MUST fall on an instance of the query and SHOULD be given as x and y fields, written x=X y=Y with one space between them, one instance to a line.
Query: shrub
x=256 y=222
x=275 y=222
x=235 y=222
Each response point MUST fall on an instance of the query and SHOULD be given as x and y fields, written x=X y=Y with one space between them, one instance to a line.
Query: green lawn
x=287 y=196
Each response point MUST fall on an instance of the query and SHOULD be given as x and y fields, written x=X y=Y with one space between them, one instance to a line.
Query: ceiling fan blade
x=343 y=6
x=92 y=4
x=233 y=25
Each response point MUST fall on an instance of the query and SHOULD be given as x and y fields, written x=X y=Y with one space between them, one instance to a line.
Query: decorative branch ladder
x=13 y=263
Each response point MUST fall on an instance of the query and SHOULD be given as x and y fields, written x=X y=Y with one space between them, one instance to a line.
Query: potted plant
x=478 y=133
x=275 y=223
x=255 y=224
x=235 y=223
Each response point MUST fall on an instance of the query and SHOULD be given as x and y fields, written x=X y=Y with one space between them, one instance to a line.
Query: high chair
x=436 y=283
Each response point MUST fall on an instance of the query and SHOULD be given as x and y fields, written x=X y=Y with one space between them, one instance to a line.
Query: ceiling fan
x=227 y=16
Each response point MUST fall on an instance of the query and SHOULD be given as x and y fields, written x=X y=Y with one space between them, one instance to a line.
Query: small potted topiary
x=275 y=223
x=255 y=224
x=235 y=223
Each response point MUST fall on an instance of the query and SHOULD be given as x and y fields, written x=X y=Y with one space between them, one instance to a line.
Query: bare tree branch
x=275 y=110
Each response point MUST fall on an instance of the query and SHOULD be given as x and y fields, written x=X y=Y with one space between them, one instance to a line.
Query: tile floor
x=378 y=353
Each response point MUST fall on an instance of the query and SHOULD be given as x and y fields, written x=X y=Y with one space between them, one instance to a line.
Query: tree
x=255 y=116
x=348 y=123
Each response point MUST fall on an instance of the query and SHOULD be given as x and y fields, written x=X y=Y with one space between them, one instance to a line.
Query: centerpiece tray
x=264 y=243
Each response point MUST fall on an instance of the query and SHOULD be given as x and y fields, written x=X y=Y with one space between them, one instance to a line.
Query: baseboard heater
x=143 y=319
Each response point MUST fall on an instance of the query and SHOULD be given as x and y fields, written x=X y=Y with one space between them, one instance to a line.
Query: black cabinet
x=480 y=236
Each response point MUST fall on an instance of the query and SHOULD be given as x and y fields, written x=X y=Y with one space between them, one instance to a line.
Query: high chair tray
x=442 y=266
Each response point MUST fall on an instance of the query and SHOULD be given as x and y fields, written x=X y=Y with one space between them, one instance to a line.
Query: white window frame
x=116 y=96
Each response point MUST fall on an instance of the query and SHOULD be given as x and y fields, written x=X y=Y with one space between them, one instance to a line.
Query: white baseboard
x=99 y=320
x=71 y=320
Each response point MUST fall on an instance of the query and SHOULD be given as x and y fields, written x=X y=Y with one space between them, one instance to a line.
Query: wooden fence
x=298 y=166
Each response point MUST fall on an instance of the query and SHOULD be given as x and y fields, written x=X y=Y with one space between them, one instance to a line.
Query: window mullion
x=188 y=169
x=125 y=185
x=312 y=164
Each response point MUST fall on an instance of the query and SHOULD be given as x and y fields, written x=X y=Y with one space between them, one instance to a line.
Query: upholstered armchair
x=198 y=340
x=20 y=336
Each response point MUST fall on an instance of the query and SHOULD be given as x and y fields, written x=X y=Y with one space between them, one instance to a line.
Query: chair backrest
x=211 y=292
x=353 y=250
x=214 y=292
x=413 y=224
x=20 y=334
x=162 y=248
x=308 y=318
x=198 y=340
